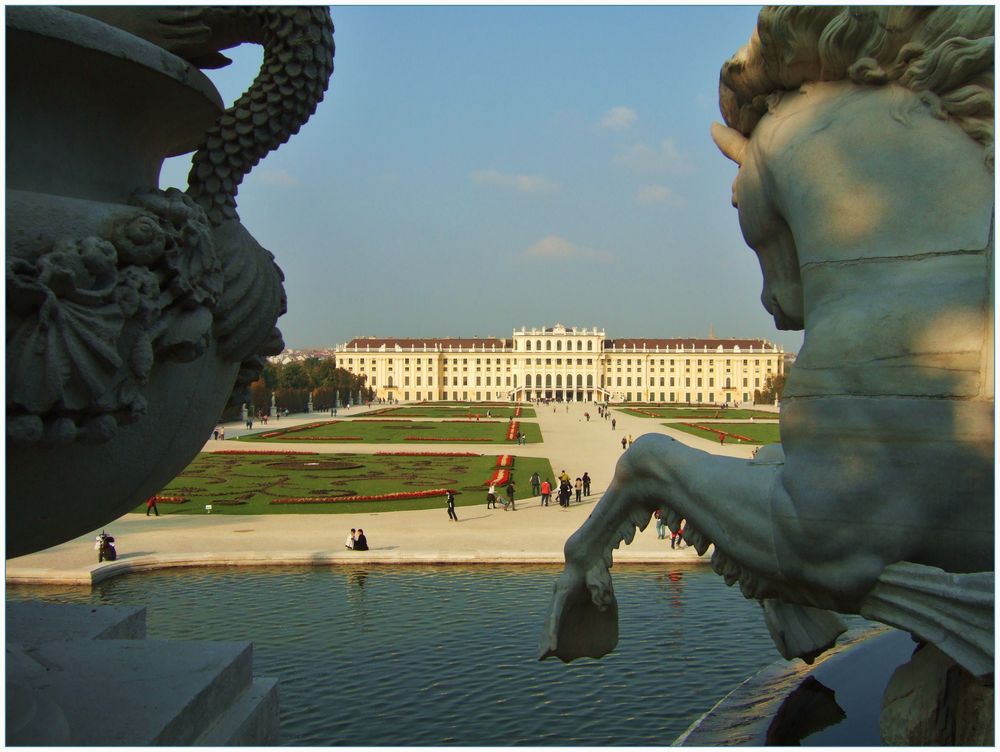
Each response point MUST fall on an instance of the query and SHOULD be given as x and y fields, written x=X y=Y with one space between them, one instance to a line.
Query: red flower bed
x=499 y=478
x=170 y=499
x=263 y=451
x=716 y=431
x=442 y=438
x=303 y=427
x=382 y=420
x=517 y=412
x=375 y=497
x=505 y=460
x=428 y=454
x=513 y=430
x=466 y=420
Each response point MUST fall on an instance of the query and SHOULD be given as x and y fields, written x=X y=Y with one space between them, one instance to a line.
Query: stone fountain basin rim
x=89 y=33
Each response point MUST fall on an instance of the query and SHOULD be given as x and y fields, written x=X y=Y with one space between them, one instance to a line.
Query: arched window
x=558 y=380
x=579 y=379
x=527 y=345
x=548 y=381
x=590 y=379
x=538 y=380
x=590 y=344
x=579 y=344
x=548 y=344
x=559 y=345
x=538 y=344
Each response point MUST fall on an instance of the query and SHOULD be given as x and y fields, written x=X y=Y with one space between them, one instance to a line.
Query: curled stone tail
x=298 y=61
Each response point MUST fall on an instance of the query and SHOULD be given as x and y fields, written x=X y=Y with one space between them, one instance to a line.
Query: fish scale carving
x=298 y=62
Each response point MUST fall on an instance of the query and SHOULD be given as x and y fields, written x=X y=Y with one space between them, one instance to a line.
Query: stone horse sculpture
x=864 y=139
x=134 y=313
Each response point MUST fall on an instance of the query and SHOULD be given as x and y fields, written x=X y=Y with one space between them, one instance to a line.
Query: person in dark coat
x=361 y=542
x=451 y=506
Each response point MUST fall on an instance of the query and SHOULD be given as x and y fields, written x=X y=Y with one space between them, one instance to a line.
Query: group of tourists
x=356 y=540
x=565 y=491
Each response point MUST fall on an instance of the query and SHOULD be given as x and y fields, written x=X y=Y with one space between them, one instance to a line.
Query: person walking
x=661 y=528
x=510 y=495
x=536 y=484
x=624 y=443
x=222 y=433
x=451 y=506
x=586 y=484
x=151 y=504
x=614 y=422
x=546 y=492
x=630 y=439
x=215 y=433
x=491 y=496
x=578 y=486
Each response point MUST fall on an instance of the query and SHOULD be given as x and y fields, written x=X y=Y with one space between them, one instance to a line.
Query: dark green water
x=447 y=655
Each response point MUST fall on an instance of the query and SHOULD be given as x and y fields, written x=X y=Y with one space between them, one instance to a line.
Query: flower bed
x=430 y=454
x=263 y=451
x=499 y=478
x=363 y=419
x=323 y=438
x=517 y=412
x=375 y=497
x=716 y=431
x=466 y=420
x=170 y=500
x=303 y=427
x=460 y=439
x=513 y=430
x=505 y=460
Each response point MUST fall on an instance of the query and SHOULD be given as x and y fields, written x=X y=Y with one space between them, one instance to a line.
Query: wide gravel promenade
x=532 y=534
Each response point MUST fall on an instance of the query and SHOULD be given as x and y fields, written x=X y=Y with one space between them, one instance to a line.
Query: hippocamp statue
x=134 y=313
x=864 y=139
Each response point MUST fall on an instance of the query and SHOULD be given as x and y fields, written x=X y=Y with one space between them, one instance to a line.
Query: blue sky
x=475 y=169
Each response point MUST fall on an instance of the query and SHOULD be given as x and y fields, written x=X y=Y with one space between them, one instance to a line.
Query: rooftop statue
x=133 y=313
x=864 y=140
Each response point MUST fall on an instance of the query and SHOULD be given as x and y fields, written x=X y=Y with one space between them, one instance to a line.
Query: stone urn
x=131 y=312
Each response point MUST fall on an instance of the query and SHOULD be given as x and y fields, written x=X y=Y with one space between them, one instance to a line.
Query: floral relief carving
x=87 y=320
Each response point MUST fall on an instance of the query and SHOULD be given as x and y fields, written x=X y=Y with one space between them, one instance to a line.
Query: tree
x=774 y=386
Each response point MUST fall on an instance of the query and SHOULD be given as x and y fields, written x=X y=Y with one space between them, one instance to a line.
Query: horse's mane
x=943 y=53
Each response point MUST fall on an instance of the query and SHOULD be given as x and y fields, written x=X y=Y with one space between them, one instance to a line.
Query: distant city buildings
x=564 y=363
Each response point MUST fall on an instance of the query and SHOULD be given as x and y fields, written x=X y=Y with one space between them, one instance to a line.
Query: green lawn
x=697 y=412
x=449 y=410
x=757 y=433
x=248 y=483
x=387 y=431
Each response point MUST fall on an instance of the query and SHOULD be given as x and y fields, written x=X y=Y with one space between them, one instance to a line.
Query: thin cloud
x=555 y=248
x=618 y=119
x=520 y=183
x=664 y=158
x=649 y=195
x=277 y=178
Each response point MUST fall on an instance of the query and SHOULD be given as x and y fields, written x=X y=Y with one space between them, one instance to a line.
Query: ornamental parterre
x=375 y=497
x=262 y=451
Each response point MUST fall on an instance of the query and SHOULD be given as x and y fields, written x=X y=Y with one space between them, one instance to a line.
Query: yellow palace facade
x=563 y=363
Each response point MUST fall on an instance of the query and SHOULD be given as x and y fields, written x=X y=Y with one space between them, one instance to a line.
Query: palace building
x=563 y=363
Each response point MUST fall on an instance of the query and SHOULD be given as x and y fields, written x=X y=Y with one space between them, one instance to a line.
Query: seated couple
x=357 y=541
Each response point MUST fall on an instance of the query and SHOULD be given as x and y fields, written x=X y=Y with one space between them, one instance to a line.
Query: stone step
x=251 y=720
x=137 y=692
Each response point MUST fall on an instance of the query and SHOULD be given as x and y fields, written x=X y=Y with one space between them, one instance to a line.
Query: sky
x=476 y=169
